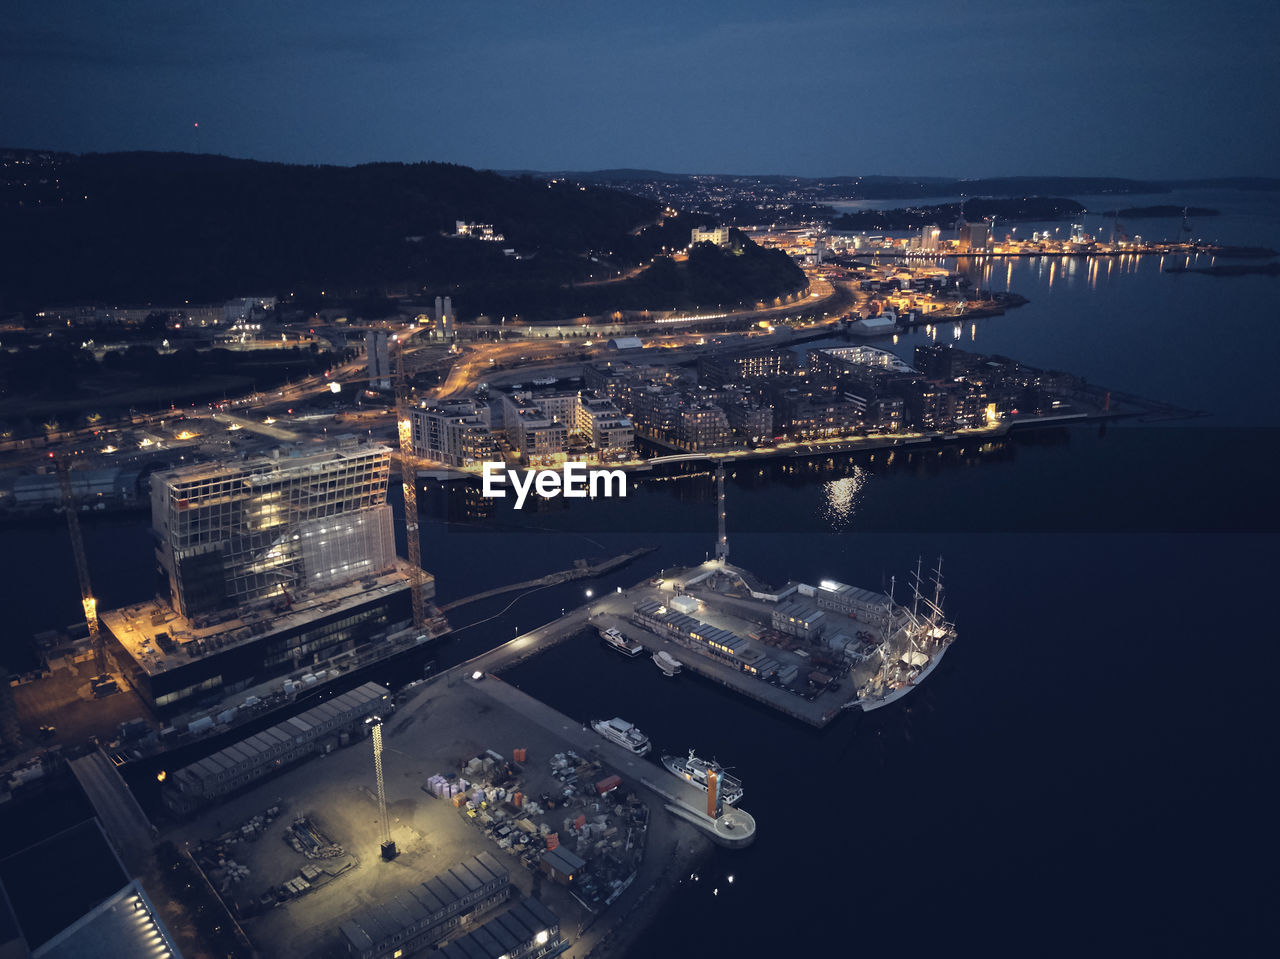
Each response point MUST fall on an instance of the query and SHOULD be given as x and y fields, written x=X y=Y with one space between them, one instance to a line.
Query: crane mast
x=102 y=676
x=408 y=476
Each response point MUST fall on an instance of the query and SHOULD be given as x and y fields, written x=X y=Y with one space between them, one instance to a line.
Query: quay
x=445 y=720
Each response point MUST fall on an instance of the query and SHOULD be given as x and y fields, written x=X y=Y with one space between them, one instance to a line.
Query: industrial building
x=528 y=930
x=428 y=912
x=723 y=644
x=795 y=618
x=336 y=721
x=862 y=604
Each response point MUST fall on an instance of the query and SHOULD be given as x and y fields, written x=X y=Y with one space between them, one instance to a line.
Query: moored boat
x=619 y=642
x=622 y=733
x=694 y=770
x=669 y=665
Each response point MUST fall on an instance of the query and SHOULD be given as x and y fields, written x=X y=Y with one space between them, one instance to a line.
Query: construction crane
x=102 y=681
x=375 y=732
x=424 y=617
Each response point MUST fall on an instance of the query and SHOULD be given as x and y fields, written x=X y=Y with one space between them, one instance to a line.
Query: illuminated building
x=271 y=564
x=717 y=369
x=602 y=424
x=230 y=535
x=453 y=432
x=533 y=431
x=718 y=235
x=704 y=427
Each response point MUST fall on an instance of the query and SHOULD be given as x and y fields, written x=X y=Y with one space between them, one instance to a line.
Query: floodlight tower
x=388 y=844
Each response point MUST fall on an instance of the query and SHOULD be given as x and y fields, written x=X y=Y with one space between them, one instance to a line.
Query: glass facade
x=230 y=536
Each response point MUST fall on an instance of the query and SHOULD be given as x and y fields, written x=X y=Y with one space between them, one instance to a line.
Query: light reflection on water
x=841 y=497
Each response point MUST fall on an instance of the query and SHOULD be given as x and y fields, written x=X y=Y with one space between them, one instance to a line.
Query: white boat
x=623 y=733
x=669 y=665
x=694 y=770
x=619 y=642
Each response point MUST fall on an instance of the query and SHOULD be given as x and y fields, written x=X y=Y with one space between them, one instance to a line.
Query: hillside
x=153 y=227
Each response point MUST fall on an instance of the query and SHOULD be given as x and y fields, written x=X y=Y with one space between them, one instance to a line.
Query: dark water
x=1091 y=769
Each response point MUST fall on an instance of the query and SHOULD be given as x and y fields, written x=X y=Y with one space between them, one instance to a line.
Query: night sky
x=930 y=87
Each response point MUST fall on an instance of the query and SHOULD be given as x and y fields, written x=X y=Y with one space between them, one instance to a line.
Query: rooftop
x=273 y=464
x=503 y=935
x=243 y=753
x=433 y=897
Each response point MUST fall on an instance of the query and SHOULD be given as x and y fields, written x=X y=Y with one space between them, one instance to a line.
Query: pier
x=585 y=571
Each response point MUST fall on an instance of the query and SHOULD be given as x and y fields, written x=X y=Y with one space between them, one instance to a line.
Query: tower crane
x=424 y=616
x=102 y=681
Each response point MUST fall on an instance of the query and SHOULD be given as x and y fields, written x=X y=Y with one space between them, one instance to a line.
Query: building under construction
x=271 y=564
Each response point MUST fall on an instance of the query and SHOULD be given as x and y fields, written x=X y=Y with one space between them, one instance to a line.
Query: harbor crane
x=102 y=683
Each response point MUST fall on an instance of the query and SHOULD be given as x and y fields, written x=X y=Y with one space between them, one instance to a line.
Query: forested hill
x=159 y=227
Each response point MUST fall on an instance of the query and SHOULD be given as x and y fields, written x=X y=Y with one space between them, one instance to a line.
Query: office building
x=269 y=565
x=230 y=535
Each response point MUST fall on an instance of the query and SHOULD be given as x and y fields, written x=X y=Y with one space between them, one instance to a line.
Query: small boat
x=619 y=642
x=622 y=733
x=669 y=665
x=694 y=770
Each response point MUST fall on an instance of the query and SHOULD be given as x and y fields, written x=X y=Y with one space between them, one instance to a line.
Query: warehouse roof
x=504 y=934
x=432 y=898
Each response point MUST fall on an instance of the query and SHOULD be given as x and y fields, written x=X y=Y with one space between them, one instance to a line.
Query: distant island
x=1016 y=209
x=1167 y=209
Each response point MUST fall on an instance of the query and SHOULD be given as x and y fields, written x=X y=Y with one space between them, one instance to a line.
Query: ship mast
x=937 y=592
x=915 y=590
